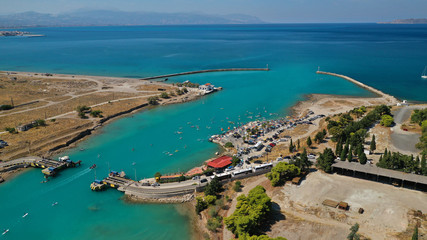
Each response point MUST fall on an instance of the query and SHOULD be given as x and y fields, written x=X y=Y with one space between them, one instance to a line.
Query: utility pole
x=11 y=101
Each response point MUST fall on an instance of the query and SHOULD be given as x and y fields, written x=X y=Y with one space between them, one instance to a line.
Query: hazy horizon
x=273 y=11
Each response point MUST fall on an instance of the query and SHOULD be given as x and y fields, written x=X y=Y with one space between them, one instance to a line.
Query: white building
x=207 y=88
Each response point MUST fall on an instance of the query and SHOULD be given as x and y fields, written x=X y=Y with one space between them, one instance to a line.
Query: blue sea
x=388 y=57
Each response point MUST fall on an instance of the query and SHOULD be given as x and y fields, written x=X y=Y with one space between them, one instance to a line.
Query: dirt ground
x=55 y=98
x=390 y=212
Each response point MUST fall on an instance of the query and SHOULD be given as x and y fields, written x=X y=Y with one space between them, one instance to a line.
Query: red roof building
x=220 y=162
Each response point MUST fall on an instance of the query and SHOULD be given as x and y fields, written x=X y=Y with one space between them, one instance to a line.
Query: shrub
x=39 y=122
x=53 y=120
x=237 y=186
x=153 y=100
x=11 y=130
x=83 y=108
x=6 y=107
x=82 y=115
x=200 y=205
x=210 y=199
x=228 y=145
x=386 y=120
x=164 y=95
x=214 y=223
x=96 y=113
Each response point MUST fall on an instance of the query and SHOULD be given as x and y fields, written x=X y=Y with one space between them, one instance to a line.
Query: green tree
x=373 y=145
x=200 y=205
x=344 y=152
x=362 y=158
x=39 y=122
x=214 y=187
x=83 y=108
x=309 y=142
x=298 y=145
x=350 y=154
x=11 y=130
x=291 y=147
x=164 y=95
x=415 y=234
x=235 y=160
x=251 y=213
x=96 y=113
x=424 y=165
x=228 y=145
x=386 y=120
x=281 y=172
x=210 y=199
x=325 y=160
x=153 y=100
x=353 y=232
x=338 y=148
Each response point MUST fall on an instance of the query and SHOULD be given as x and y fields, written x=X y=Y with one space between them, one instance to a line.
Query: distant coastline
x=407 y=21
x=18 y=33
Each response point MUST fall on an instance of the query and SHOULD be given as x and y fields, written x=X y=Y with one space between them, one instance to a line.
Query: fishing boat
x=424 y=74
x=5 y=231
x=26 y=214
x=93 y=166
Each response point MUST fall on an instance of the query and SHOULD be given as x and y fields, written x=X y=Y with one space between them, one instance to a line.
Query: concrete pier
x=392 y=100
x=206 y=71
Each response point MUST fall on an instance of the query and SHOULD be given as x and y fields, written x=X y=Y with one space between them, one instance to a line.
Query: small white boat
x=55 y=203
x=5 y=231
x=26 y=214
x=424 y=74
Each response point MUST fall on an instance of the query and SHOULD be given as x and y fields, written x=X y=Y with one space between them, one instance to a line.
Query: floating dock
x=50 y=166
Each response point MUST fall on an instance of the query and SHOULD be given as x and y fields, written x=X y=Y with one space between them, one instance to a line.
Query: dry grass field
x=55 y=99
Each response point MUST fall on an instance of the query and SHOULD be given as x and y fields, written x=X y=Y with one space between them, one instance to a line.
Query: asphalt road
x=402 y=140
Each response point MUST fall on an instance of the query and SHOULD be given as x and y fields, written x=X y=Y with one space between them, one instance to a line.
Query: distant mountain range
x=408 y=21
x=114 y=18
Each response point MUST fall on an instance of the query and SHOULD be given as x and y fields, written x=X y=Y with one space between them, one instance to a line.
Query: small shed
x=330 y=203
x=343 y=206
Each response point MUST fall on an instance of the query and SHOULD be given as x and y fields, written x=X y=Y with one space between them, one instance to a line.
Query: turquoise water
x=388 y=57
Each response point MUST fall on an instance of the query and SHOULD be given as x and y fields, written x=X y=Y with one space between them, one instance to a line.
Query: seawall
x=392 y=100
x=206 y=71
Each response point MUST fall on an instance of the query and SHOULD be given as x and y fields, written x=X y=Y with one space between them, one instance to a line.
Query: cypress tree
x=338 y=148
x=424 y=166
x=291 y=146
x=309 y=142
x=373 y=146
x=350 y=154
x=362 y=158
x=415 y=234
x=344 y=153
x=417 y=164
x=298 y=146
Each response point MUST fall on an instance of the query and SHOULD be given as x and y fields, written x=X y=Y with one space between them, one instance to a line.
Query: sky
x=285 y=11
